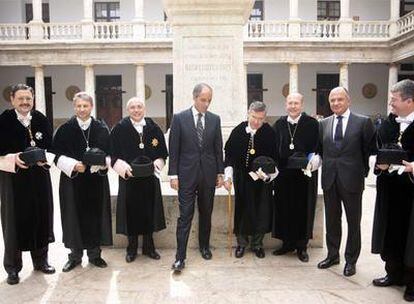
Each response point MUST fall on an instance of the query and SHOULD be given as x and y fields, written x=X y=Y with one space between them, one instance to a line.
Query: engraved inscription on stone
x=210 y=60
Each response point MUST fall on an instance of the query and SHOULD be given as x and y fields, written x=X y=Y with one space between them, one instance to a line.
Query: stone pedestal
x=208 y=47
x=166 y=239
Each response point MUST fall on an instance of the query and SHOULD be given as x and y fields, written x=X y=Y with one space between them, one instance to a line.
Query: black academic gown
x=139 y=209
x=253 y=199
x=26 y=196
x=84 y=198
x=393 y=229
x=295 y=193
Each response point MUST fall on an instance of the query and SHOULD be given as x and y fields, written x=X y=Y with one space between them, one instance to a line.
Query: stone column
x=36 y=25
x=344 y=75
x=293 y=78
x=294 y=20
x=40 y=89
x=208 y=47
x=138 y=21
x=140 y=82
x=394 y=15
x=90 y=85
x=392 y=79
x=87 y=21
x=345 y=21
x=37 y=10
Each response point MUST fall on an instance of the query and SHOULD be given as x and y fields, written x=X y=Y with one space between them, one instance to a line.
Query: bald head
x=294 y=105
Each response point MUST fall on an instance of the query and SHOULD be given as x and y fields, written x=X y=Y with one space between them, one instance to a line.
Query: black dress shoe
x=129 y=258
x=152 y=254
x=98 y=262
x=385 y=281
x=282 y=250
x=303 y=256
x=239 y=253
x=259 y=252
x=409 y=294
x=70 y=265
x=349 y=270
x=46 y=268
x=13 y=278
x=206 y=253
x=328 y=262
x=178 y=266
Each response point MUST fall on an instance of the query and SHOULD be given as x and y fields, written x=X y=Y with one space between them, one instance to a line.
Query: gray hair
x=134 y=99
x=345 y=90
x=83 y=96
x=257 y=106
x=199 y=87
x=405 y=88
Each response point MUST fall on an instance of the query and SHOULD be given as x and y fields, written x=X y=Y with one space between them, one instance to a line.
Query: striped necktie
x=200 y=130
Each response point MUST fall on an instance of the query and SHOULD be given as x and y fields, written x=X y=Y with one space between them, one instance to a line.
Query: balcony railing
x=113 y=31
x=405 y=23
x=371 y=29
x=158 y=30
x=255 y=30
x=14 y=31
x=62 y=31
x=268 y=29
x=319 y=29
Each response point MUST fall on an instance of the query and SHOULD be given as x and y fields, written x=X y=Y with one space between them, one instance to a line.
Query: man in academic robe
x=346 y=141
x=139 y=209
x=393 y=230
x=295 y=189
x=84 y=190
x=253 y=190
x=195 y=169
x=25 y=191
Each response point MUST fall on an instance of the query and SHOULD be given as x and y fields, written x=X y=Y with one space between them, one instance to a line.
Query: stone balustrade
x=62 y=31
x=14 y=31
x=158 y=30
x=255 y=30
x=113 y=31
x=371 y=29
x=268 y=29
x=319 y=29
x=405 y=24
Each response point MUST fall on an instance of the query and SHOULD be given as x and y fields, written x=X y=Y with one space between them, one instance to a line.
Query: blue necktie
x=338 y=132
x=200 y=130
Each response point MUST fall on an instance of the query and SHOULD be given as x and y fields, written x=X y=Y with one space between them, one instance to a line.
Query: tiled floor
x=224 y=279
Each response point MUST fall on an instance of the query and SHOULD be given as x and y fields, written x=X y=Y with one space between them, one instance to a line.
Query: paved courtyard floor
x=224 y=279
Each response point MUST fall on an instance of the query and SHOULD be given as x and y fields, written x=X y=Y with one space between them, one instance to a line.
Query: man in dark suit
x=195 y=169
x=346 y=140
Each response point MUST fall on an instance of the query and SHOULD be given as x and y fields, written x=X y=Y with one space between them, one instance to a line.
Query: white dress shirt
x=405 y=121
x=84 y=125
x=345 y=118
x=24 y=120
x=294 y=121
x=195 y=116
x=139 y=126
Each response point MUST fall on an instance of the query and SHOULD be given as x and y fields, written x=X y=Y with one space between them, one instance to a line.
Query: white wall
x=64 y=76
x=276 y=75
x=12 y=11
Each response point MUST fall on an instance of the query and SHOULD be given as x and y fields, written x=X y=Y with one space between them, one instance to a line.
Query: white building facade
x=119 y=49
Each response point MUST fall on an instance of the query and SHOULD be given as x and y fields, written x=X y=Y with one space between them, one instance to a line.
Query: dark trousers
x=77 y=253
x=12 y=259
x=333 y=213
x=396 y=269
x=186 y=198
x=147 y=244
x=298 y=244
x=256 y=240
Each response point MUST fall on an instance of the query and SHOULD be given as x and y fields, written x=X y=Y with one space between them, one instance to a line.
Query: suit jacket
x=187 y=158
x=349 y=163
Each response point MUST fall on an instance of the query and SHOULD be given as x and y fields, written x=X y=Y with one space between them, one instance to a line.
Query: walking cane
x=229 y=223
